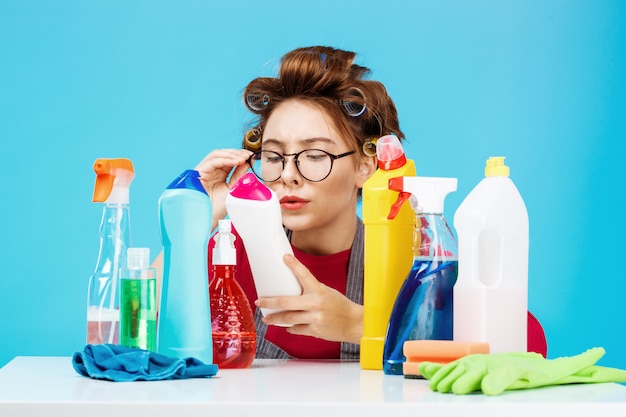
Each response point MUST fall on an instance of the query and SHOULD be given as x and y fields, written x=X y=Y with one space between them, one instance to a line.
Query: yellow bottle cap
x=495 y=167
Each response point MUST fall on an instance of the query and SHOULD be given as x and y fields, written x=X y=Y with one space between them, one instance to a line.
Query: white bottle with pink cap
x=255 y=214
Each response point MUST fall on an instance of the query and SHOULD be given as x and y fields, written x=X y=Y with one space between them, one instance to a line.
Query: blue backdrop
x=540 y=82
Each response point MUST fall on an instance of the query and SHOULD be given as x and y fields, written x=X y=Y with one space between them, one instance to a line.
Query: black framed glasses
x=313 y=164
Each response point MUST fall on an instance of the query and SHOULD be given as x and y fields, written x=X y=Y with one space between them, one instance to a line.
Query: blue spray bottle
x=423 y=308
x=113 y=179
x=184 y=323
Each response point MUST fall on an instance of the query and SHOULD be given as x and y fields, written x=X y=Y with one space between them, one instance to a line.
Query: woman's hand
x=320 y=311
x=214 y=170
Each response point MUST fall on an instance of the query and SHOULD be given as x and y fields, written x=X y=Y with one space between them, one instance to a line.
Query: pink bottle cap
x=249 y=187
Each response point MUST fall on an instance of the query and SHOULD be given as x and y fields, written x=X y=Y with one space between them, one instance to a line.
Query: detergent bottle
x=113 y=179
x=184 y=323
x=423 y=308
x=232 y=320
x=491 y=293
x=255 y=213
x=387 y=247
x=138 y=309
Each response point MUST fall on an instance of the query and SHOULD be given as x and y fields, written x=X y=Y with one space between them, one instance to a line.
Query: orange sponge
x=438 y=351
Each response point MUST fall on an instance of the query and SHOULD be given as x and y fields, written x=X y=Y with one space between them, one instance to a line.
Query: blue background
x=540 y=82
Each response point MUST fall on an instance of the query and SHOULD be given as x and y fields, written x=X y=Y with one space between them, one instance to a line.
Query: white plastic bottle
x=255 y=213
x=491 y=291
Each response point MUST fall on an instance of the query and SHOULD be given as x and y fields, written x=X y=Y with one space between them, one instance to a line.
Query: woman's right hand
x=214 y=171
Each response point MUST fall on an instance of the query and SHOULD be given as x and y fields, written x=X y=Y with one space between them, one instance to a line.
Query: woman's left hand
x=320 y=311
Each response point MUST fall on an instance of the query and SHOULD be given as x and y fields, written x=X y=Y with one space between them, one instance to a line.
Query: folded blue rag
x=120 y=363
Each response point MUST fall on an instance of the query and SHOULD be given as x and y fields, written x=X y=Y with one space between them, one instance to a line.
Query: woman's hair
x=361 y=109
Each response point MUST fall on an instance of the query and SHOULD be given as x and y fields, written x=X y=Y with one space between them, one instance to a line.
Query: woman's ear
x=367 y=166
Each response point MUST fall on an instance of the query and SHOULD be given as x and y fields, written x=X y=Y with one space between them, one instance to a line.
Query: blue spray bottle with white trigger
x=423 y=308
x=184 y=323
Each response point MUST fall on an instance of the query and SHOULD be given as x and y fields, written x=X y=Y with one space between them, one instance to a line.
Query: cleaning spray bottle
x=184 y=323
x=387 y=243
x=423 y=308
x=113 y=179
x=232 y=320
x=255 y=213
x=491 y=293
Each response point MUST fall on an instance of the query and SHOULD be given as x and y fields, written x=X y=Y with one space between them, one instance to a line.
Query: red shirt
x=331 y=270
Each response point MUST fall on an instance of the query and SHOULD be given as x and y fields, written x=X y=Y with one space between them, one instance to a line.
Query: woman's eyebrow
x=307 y=141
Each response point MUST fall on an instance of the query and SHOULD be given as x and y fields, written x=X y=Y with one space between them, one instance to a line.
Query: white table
x=46 y=386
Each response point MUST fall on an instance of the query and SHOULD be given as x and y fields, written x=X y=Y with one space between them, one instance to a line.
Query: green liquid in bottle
x=138 y=313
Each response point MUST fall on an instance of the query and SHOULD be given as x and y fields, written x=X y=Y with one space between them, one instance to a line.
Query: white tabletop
x=38 y=386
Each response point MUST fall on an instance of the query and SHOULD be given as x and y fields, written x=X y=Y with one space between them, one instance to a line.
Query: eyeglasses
x=313 y=164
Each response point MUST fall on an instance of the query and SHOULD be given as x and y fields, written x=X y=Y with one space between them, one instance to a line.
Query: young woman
x=317 y=123
x=319 y=108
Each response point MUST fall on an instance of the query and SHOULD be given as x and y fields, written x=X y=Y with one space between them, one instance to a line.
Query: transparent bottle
x=232 y=320
x=423 y=308
x=113 y=179
x=138 y=309
x=491 y=292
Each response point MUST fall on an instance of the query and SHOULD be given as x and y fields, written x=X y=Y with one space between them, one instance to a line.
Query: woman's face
x=296 y=125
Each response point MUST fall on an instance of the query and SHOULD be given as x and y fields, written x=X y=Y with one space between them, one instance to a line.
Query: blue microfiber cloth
x=120 y=363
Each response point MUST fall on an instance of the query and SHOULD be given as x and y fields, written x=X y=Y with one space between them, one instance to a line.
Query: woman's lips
x=292 y=203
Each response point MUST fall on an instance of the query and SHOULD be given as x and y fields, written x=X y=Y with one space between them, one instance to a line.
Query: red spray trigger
x=396 y=184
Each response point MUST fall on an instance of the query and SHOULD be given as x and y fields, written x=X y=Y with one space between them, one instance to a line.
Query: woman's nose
x=290 y=170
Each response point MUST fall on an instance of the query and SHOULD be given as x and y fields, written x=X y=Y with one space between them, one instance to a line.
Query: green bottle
x=138 y=308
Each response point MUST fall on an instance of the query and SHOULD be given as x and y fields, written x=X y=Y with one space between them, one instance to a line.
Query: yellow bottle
x=388 y=245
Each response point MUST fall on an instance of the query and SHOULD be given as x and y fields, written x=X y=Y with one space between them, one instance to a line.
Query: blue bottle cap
x=189 y=179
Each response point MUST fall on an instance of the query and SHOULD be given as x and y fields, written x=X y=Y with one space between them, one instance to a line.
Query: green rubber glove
x=497 y=372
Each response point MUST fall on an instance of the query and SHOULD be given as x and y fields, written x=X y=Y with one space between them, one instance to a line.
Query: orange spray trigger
x=104 y=180
x=106 y=172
